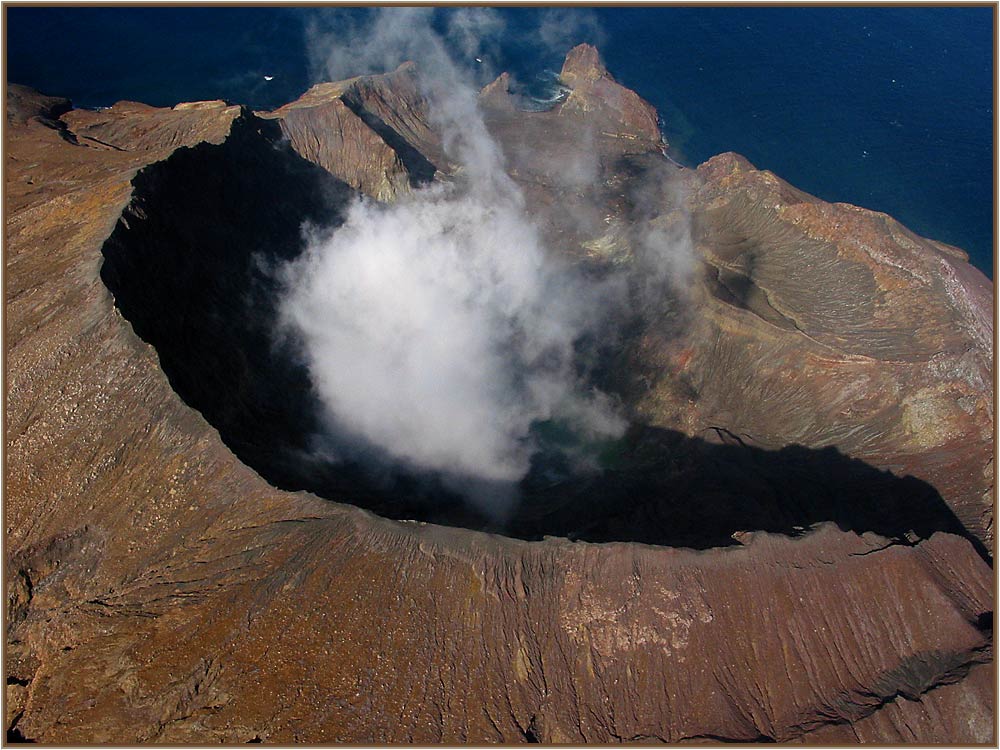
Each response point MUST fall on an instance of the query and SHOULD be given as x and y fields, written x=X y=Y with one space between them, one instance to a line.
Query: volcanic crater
x=192 y=266
x=795 y=528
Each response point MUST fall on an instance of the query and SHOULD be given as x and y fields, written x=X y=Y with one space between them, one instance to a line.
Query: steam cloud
x=438 y=328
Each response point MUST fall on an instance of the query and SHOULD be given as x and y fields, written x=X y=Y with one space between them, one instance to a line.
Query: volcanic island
x=791 y=540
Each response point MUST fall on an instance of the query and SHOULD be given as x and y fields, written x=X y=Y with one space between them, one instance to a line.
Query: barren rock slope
x=159 y=589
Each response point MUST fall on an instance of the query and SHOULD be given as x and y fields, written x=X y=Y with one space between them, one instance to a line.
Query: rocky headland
x=795 y=546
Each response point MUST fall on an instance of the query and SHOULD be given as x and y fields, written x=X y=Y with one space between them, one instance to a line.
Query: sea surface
x=889 y=108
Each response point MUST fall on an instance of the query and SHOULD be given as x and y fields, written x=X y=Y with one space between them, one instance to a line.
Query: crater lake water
x=890 y=108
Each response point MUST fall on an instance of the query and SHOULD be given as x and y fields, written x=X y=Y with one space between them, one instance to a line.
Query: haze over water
x=887 y=108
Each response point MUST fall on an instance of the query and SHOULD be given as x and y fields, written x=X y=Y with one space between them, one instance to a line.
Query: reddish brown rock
x=395 y=104
x=623 y=112
x=131 y=126
x=369 y=132
x=834 y=325
x=160 y=590
x=327 y=132
x=24 y=104
x=497 y=95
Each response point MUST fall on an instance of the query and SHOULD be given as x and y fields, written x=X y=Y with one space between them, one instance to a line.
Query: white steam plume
x=438 y=328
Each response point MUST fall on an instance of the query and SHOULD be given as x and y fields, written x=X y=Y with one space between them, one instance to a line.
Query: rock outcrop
x=595 y=92
x=821 y=365
x=24 y=104
x=370 y=132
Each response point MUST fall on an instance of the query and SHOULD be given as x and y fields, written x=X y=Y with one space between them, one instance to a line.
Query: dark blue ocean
x=889 y=108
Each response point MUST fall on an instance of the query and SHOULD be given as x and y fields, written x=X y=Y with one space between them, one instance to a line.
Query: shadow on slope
x=671 y=489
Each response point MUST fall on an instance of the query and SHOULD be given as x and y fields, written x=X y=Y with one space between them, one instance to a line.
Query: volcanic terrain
x=792 y=541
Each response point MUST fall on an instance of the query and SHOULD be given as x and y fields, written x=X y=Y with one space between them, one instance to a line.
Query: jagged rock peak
x=595 y=91
x=497 y=93
x=583 y=63
x=501 y=84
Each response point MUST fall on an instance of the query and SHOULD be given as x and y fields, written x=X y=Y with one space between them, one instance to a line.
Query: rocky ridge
x=160 y=590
